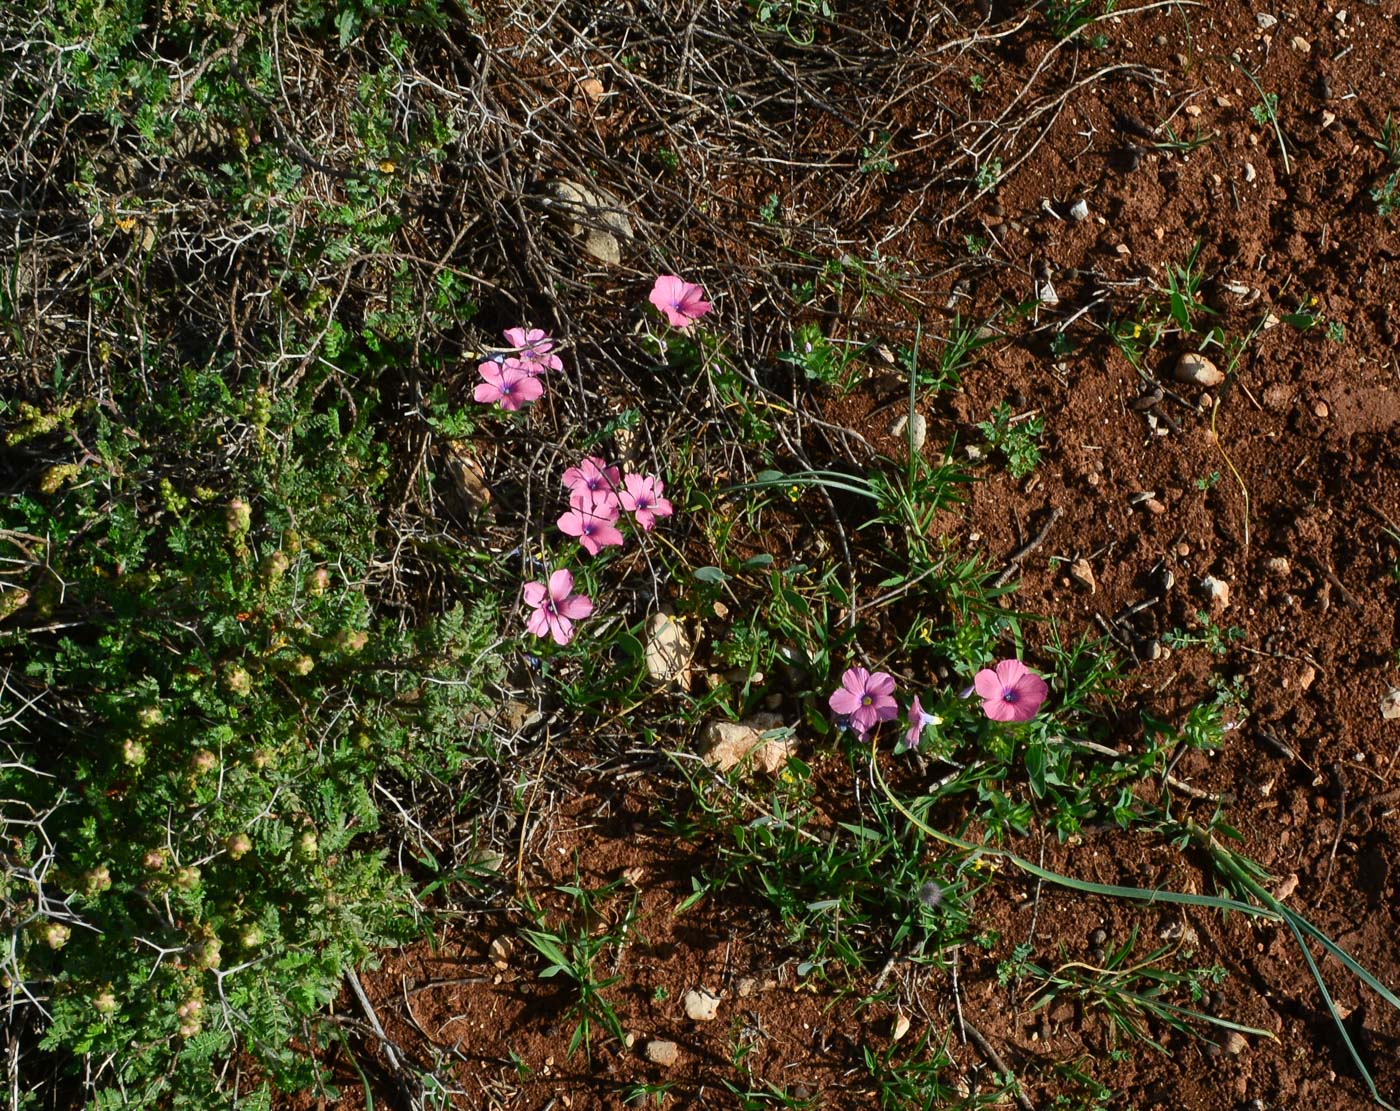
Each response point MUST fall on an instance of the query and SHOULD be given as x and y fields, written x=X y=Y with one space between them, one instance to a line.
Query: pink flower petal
x=881 y=684
x=534 y=593
x=576 y=606
x=1009 y=672
x=843 y=701
x=561 y=585
x=999 y=709
x=562 y=629
x=987 y=684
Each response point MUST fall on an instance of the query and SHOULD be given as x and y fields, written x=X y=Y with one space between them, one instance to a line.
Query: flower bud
x=250 y=937
x=96 y=880
x=318 y=581
x=351 y=641
x=239 y=845
x=308 y=845
x=238 y=517
x=203 y=762
x=54 y=934
x=150 y=716
x=187 y=879
x=275 y=565
x=154 y=860
x=207 y=953
x=237 y=680
x=104 y=1002
x=188 y=1013
x=133 y=752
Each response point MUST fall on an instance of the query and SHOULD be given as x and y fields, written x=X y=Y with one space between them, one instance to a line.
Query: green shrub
x=200 y=701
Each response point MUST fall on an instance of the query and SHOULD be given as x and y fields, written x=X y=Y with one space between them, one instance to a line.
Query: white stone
x=701 y=1005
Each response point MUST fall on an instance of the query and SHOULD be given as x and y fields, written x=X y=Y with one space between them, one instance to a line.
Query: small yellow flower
x=386 y=167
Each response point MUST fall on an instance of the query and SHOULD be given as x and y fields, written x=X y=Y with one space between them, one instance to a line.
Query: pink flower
x=591 y=520
x=508 y=384
x=533 y=349
x=643 y=497
x=556 y=607
x=919 y=720
x=593 y=477
x=1010 y=693
x=681 y=302
x=865 y=698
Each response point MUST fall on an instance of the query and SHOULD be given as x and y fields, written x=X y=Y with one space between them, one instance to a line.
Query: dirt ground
x=1282 y=485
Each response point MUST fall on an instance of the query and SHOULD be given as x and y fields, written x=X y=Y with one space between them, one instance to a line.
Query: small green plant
x=976 y=82
x=976 y=245
x=1016 y=437
x=988 y=175
x=1266 y=112
x=1208 y=482
x=1067 y=17
x=1181 y=143
x=794 y=18
x=771 y=209
x=1184 y=291
x=1389 y=140
x=1387 y=195
x=1336 y=331
x=819 y=359
x=1130 y=990
x=668 y=158
x=875 y=158
x=1211 y=636
x=573 y=949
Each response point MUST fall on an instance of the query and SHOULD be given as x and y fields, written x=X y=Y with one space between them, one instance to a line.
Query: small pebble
x=1197 y=370
x=1278 y=566
x=1217 y=593
x=1266 y=20
x=662 y=1053
x=1082 y=575
x=1320 y=409
x=1250 y=173
x=1079 y=210
x=900 y=1027
x=1300 y=44
x=1235 y=1043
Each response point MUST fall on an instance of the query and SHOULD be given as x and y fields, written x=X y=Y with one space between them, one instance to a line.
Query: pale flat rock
x=668 y=650
x=661 y=1053
x=1390 y=704
x=727 y=744
x=594 y=215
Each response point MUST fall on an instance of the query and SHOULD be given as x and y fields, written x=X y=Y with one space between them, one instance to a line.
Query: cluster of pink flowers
x=599 y=493
x=1010 y=692
x=512 y=380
